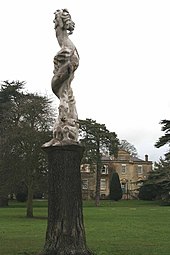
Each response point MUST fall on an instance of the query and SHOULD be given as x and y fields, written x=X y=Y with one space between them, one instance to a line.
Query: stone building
x=131 y=171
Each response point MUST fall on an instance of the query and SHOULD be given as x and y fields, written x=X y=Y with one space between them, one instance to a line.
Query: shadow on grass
x=40 y=217
x=27 y=253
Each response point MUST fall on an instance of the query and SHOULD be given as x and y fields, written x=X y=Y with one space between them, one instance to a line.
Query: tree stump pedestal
x=65 y=233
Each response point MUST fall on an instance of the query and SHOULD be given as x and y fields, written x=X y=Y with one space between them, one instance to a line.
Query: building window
x=140 y=169
x=123 y=186
x=104 y=169
x=124 y=168
x=84 y=184
x=103 y=184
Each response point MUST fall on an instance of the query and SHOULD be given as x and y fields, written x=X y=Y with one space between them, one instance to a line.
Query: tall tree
x=10 y=92
x=165 y=139
x=26 y=122
x=158 y=181
x=125 y=145
x=97 y=140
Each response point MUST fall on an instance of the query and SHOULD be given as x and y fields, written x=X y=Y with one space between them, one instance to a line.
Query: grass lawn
x=114 y=228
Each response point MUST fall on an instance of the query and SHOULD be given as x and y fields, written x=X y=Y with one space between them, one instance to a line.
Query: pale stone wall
x=130 y=171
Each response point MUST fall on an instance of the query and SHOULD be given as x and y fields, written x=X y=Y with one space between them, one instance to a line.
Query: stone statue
x=65 y=232
x=66 y=61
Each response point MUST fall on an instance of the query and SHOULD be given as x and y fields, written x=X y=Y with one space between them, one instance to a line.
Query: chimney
x=146 y=157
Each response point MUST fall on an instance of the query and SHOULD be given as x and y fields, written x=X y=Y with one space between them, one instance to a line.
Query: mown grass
x=114 y=228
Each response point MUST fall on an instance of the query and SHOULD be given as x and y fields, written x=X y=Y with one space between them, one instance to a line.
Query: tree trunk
x=65 y=233
x=98 y=175
x=3 y=201
x=98 y=178
x=30 y=202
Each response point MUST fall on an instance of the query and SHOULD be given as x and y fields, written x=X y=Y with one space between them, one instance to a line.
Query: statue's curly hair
x=63 y=19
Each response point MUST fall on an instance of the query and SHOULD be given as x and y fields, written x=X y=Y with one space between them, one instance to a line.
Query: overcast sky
x=123 y=80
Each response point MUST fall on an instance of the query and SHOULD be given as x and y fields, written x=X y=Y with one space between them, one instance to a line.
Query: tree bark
x=65 y=233
x=98 y=178
x=29 y=213
x=98 y=175
x=3 y=201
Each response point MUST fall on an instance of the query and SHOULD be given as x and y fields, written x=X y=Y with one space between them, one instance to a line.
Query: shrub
x=147 y=192
x=21 y=197
x=21 y=192
x=38 y=195
x=115 y=187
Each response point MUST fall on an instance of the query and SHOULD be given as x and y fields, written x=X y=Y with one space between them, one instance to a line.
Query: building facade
x=131 y=171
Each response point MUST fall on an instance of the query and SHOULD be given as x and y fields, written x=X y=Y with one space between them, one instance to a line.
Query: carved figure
x=65 y=128
x=66 y=62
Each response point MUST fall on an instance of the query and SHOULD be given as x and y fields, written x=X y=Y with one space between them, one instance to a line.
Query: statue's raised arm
x=66 y=62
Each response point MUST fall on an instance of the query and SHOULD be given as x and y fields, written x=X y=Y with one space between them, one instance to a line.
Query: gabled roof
x=123 y=156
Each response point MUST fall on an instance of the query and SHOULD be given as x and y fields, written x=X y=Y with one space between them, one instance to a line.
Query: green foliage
x=159 y=180
x=115 y=187
x=97 y=140
x=25 y=125
x=165 y=139
x=21 y=197
x=147 y=192
x=21 y=192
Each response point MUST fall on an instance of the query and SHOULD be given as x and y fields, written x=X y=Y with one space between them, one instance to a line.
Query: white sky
x=123 y=79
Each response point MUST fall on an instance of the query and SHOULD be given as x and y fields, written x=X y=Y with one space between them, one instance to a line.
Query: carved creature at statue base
x=56 y=142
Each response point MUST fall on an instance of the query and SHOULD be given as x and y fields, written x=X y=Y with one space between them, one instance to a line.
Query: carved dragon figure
x=66 y=61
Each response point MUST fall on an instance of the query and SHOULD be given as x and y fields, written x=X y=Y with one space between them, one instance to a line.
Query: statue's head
x=63 y=20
